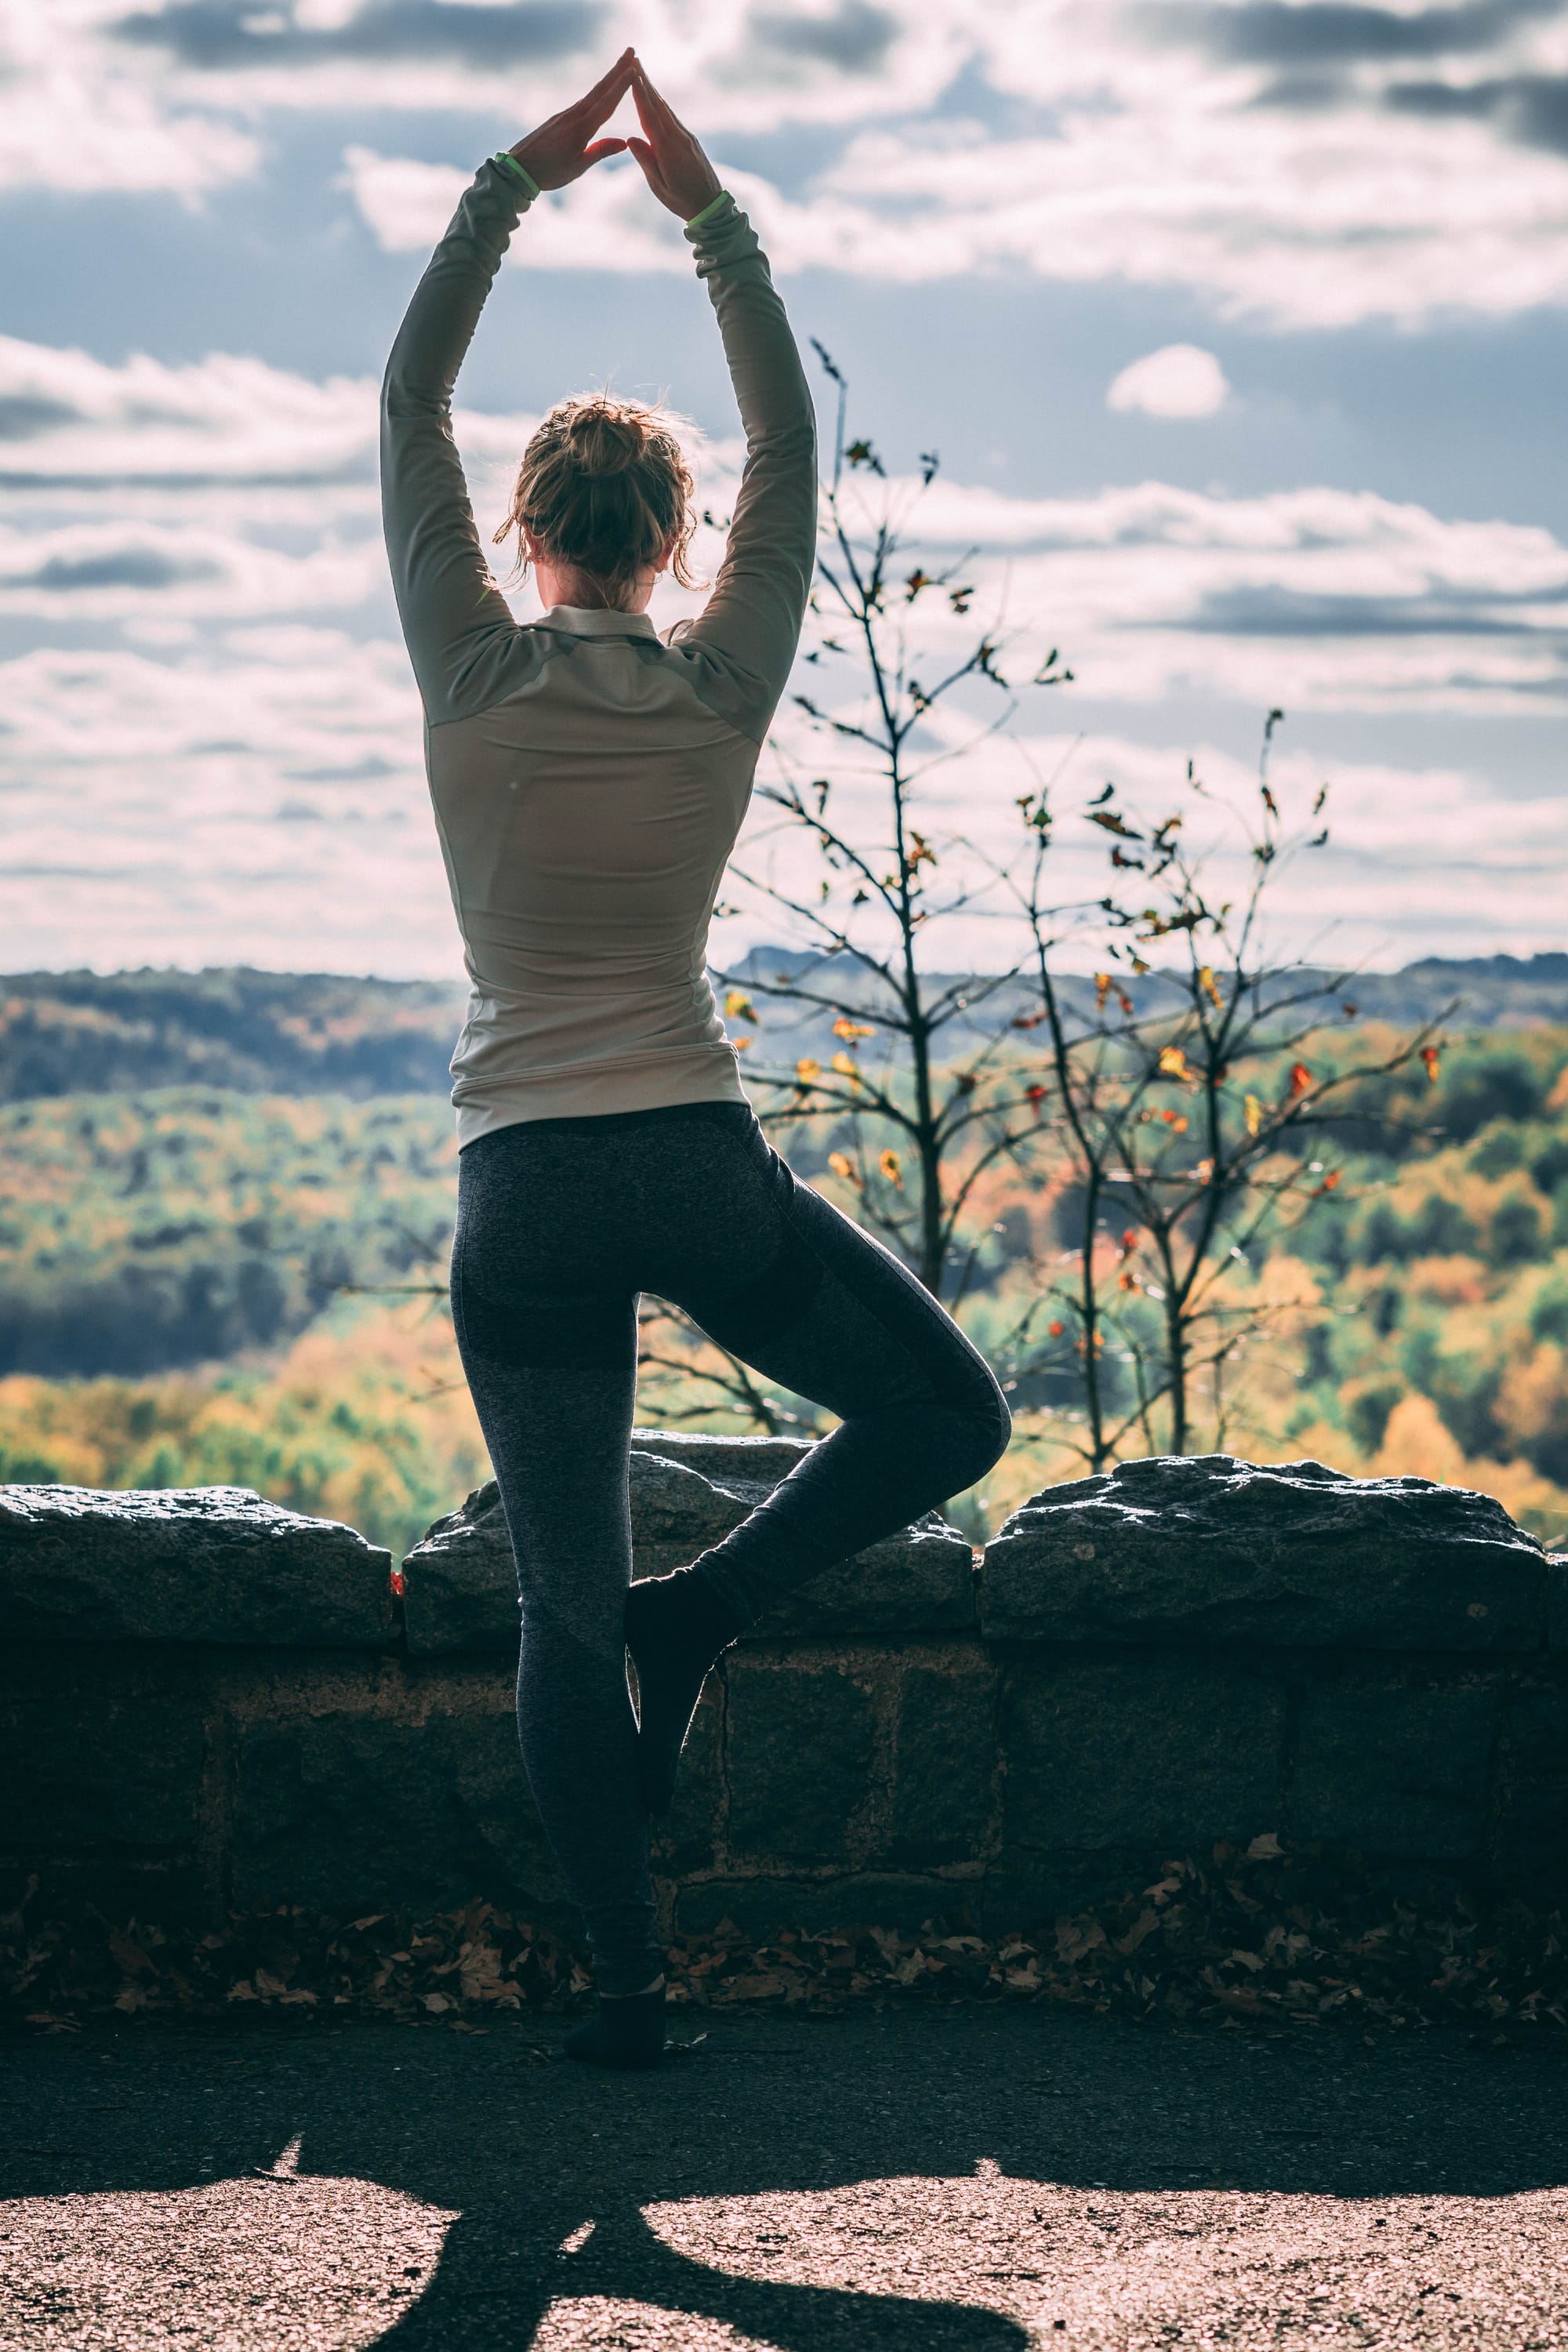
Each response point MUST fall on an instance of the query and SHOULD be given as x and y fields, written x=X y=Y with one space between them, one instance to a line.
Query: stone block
x=1208 y=1551
x=103 y=1763
x=348 y=1810
x=459 y=1582
x=686 y=1494
x=1394 y=1771
x=802 y=1743
x=1025 y=1893
x=1531 y=1840
x=1159 y=1756
x=944 y=1771
x=199 y=1564
x=1557 y=1600
x=760 y=1906
x=921 y=1580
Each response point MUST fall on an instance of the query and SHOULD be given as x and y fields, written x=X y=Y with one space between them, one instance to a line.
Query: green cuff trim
x=723 y=197
x=504 y=157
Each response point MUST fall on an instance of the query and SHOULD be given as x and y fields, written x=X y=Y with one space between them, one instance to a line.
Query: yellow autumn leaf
x=889 y=1163
x=844 y=1065
x=842 y=1165
x=1210 y=986
x=738 y=1006
x=740 y=1044
x=1173 y=1063
x=844 y=1027
x=805 y=1070
x=1101 y=990
x=1254 y=1114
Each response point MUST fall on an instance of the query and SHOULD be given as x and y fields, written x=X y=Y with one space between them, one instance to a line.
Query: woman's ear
x=662 y=560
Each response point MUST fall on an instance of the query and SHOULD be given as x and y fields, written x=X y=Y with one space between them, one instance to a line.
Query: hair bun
x=605 y=490
x=602 y=441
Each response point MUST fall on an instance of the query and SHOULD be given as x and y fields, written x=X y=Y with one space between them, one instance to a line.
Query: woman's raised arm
x=458 y=629
x=751 y=622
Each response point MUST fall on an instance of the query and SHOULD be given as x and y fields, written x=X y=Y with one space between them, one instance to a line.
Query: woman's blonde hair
x=602 y=485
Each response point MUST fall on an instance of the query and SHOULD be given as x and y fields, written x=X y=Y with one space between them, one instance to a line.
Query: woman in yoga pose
x=589 y=779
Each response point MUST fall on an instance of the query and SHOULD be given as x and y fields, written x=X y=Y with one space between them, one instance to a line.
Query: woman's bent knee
x=984 y=1431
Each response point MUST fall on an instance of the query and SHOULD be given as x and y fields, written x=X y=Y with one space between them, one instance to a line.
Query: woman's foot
x=624 y=2032
x=676 y=1630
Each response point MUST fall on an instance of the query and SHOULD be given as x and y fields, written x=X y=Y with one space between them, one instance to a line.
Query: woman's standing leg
x=552 y=1373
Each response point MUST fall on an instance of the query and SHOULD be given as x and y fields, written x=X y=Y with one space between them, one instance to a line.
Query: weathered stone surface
x=1532 y=1848
x=945 y=1796
x=1210 y=1551
x=459 y=1582
x=1023 y=1892
x=686 y=1493
x=758 y=1906
x=209 y=1564
x=802 y=1742
x=101 y=1761
x=1557 y=1600
x=1160 y=1756
x=345 y=1807
x=1394 y=1771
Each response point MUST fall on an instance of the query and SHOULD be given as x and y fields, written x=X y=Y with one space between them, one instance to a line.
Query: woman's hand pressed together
x=562 y=149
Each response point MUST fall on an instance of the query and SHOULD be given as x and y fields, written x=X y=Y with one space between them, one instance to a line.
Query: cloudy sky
x=1240 y=326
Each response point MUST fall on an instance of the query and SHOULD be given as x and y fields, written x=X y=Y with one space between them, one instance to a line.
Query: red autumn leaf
x=1300 y=1077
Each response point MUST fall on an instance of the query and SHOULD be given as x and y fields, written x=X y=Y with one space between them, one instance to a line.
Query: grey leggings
x=561 y=1224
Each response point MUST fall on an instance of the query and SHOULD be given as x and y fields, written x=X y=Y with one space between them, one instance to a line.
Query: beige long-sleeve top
x=589 y=776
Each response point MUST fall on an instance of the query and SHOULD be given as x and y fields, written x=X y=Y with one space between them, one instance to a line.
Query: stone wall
x=210 y=1702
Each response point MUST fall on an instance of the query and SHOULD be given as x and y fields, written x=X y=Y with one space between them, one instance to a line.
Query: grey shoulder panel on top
x=496 y=664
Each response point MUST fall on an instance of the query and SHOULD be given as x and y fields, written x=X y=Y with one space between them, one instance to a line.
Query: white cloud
x=73 y=118
x=262 y=800
x=1269 y=220
x=87 y=573
x=67 y=418
x=1178 y=380
x=164 y=809
x=139 y=95
x=221 y=775
x=1418 y=860
x=1319 y=597
x=1154 y=146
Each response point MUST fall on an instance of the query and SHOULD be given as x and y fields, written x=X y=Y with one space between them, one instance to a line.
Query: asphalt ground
x=968 y=2181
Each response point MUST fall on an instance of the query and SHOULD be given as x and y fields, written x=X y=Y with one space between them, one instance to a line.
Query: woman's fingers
x=650 y=171
x=559 y=152
x=681 y=175
x=616 y=78
x=655 y=112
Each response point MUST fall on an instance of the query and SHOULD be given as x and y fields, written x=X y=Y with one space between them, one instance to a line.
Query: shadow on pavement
x=863 y=2182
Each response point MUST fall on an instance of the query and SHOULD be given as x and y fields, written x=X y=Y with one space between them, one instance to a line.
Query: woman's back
x=586 y=821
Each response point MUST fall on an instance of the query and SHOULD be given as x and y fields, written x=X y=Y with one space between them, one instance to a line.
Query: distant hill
x=251 y=1031
x=320 y=1033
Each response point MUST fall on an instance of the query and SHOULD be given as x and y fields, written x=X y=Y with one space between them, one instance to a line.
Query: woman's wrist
x=514 y=164
x=712 y=206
